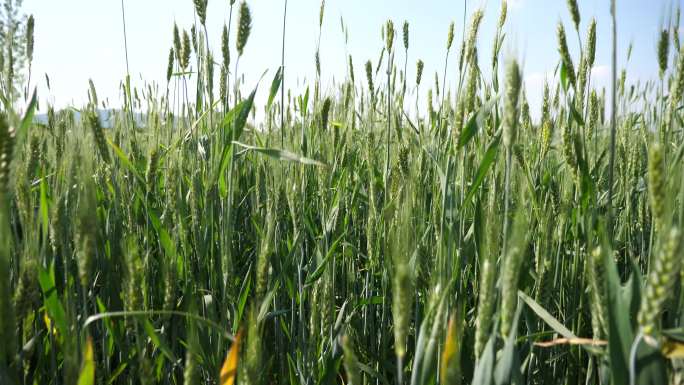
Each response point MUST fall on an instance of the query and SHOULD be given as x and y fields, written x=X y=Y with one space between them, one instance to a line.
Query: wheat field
x=346 y=237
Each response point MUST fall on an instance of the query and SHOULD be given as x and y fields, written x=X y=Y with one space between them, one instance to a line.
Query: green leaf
x=275 y=85
x=126 y=162
x=475 y=122
x=226 y=158
x=485 y=165
x=547 y=317
x=304 y=102
x=220 y=330
x=197 y=122
x=650 y=366
x=28 y=115
x=507 y=369
x=267 y=301
x=242 y=114
x=116 y=373
x=552 y=321
x=620 y=333
x=157 y=341
x=676 y=334
x=234 y=123
x=242 y=301
x=576 y=115
x=164 y=238
x=468 y=132
x=429 y=365
x=111 y=332
x=52 y=303
x=424 y=365
x=44 y=205
x=321 y=267
x=331 y=367
x=372 y=373
x=485 y=364
x=374 y=300
x=87 y=376
x=281 y=155
x=586 y=182
x=564 y=77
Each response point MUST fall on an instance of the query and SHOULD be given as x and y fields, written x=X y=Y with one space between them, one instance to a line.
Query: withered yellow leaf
x=449 y=354
x=672 y=349
x=229 y=369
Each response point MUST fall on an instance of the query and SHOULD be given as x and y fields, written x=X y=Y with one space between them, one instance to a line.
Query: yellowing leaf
x=87 y=376
x=229 y=369
x=672 y=349
x=449 y=368
x=48 y=324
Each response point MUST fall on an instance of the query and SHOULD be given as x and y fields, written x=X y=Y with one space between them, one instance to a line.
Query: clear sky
x=77 y=40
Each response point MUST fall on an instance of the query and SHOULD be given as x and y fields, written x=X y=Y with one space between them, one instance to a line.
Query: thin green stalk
x=282 y=81
x=613 y=120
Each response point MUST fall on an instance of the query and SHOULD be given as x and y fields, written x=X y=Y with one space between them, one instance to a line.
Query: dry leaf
x=229 y=369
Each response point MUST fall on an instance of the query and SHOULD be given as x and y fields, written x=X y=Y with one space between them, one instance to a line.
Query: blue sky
x=77 y=40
